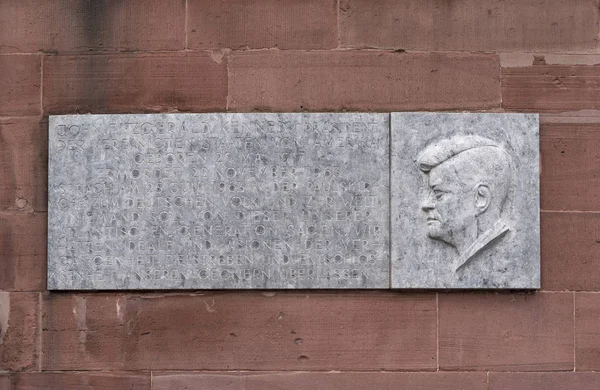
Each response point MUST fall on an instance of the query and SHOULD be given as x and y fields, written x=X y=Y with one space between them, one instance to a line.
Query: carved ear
x=483 y=198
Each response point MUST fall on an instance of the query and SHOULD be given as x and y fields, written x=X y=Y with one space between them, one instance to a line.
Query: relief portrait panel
x=465 y=201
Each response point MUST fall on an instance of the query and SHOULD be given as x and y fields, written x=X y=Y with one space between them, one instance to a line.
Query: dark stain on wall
x=97 y=30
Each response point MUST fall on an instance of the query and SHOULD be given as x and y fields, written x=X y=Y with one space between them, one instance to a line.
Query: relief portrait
x=468 y=184
x=465 y=204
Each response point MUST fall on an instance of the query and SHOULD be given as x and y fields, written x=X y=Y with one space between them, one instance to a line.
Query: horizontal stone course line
x=544 y=381
x=81 y=380
x=486 y=332
x=292 y=380
x=20 y=85
x=550 y=88
x=134 y=82
x=310 y=24
x=258 y=371
x=470 y=25
x=362 y=81
x=188 y=334
x=23 y=164
x=587 y=332
x=332 y=381
x=569 y=211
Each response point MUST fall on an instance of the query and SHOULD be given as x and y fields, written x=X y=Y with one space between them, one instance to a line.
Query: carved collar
x=484 y=240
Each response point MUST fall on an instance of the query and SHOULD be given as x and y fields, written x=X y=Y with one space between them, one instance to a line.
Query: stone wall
x=111 y=56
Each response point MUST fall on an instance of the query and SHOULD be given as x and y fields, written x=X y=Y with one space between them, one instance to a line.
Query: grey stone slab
x=465 y=201
x=202 y=201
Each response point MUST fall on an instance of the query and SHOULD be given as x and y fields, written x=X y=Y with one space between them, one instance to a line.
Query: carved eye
x=439 y=194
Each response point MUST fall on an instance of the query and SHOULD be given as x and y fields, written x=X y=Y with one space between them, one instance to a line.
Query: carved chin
x=433 y=232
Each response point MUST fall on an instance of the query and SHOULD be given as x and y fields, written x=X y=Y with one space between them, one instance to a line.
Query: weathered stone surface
x=19 y=331
x=20 y=85
x=294 y=80
x=569 y=148
x=5 y=382
x=544 y=380
x=470 y=25
x=23 y=164
x=587 y=331
x=319 y=380
x=505 y=332
x=241 y=330
x=68 y=26
x=23 y=242
x=134 y=82
x=218 y=201
x=551 y=88
x=255 y=24
x=571 y=251
x=465 y=201
x=81 y=381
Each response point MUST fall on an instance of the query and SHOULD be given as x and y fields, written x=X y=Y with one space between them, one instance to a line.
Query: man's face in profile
x=449 y=208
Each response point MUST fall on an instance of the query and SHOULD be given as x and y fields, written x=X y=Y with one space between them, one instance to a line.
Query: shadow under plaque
x=223 y=201
x=465 y=201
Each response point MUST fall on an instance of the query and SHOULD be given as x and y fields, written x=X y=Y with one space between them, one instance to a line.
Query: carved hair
x=476 y=159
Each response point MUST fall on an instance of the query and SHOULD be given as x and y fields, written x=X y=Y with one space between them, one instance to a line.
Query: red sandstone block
x=570 y=244
x=506 y=332
x=320 y=380
x=470 y=25
x=19 y=331
x=570 y=154
x=240 y=330
x=134 y=82
x=23 y=164
x=255 y=24
x=544 y=381
x=362 y=81
x=587 y=332
x=20 y=85
x=81 y=381
x=5 y=382
x=65 y=25
x=551 y=88
x=23 y=240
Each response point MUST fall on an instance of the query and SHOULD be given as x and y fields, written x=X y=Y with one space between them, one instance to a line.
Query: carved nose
x=428 y=204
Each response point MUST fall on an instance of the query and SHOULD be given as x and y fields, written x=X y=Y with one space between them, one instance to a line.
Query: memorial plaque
x=202 y=201
x=465 y=201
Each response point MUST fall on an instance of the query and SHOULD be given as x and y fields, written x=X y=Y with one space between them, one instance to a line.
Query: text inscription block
x=171 y=201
